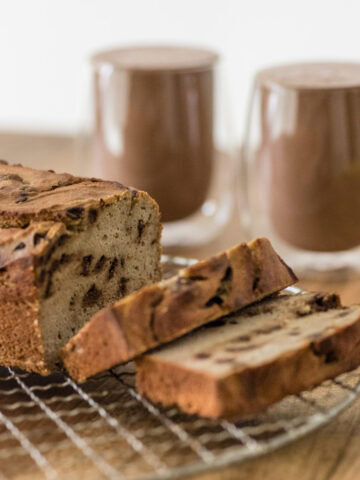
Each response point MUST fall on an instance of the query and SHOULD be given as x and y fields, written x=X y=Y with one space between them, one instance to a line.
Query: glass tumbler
x=301 y=164
x=159 y=126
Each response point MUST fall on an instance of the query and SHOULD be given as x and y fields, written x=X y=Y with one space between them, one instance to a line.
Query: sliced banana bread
x=164 y=311
x=79 y=245
x=240 y=364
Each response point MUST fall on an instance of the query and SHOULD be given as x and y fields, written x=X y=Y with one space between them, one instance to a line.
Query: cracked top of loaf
x=28 y=195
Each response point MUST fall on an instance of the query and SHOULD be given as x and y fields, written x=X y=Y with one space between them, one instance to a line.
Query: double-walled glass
x=301 y=164
x=160 y=126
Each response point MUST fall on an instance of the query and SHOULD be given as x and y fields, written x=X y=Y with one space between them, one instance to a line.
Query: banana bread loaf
x=69 y=246
x=240 y=364
x=161 y=312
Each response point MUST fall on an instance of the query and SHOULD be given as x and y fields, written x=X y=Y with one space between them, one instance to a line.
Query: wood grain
x=328 y=454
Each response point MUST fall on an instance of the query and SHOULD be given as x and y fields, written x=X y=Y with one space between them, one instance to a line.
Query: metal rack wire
x=53 y=428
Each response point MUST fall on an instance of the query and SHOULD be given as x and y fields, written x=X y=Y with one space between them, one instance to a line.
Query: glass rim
x=163 y=59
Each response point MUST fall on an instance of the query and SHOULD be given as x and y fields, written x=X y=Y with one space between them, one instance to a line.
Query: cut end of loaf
x=109 y=260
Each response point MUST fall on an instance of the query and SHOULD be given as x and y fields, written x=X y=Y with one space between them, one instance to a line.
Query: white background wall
x=45 y=44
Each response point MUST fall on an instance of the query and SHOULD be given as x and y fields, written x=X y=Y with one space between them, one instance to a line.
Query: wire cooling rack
x=53 y=428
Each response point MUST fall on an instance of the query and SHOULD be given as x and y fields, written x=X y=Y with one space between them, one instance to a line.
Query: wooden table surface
x=329 y=453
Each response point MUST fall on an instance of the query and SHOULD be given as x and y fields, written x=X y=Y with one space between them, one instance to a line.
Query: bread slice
x=239 y=365
x=68 y=247
x=165 y=311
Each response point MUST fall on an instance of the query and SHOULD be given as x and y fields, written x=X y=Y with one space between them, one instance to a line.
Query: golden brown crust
x=35 y=195
x=165 y=311
x=250 y=390
x=21 y=343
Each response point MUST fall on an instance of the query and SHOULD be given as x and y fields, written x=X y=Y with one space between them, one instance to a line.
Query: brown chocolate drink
x=154 y=123
x=310 y=149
